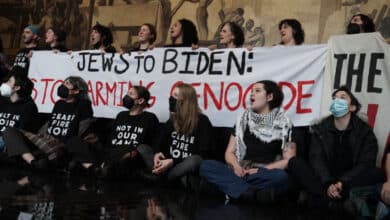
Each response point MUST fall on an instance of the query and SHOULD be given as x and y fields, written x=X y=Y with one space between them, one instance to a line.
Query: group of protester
x=261 y=159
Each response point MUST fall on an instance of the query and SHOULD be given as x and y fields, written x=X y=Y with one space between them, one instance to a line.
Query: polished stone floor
x=31 y=195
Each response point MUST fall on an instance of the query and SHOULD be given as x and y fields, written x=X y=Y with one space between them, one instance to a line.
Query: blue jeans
x=220 y=175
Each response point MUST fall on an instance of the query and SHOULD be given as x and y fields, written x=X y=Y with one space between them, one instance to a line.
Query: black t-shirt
x=260 y=151
x=22 y=60
x=179 y=147
x=20 y=114
x=129 y=131
x=65 y=118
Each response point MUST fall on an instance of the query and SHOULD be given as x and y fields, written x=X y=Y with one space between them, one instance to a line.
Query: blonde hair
x=187 y=112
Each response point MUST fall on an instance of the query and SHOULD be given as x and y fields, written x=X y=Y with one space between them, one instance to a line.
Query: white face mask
x=5 y=90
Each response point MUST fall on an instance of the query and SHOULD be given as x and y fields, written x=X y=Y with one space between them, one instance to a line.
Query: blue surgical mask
x=339 y=107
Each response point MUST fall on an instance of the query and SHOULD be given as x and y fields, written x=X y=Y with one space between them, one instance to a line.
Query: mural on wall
x=257 y=18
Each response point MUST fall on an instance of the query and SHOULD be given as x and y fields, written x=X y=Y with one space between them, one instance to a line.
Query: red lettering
x=293 y=93
x=111 y=90
x=46 y=81
x=372 y=110
x=207 y=90
x=246 y=95
x=53 y=90
x=239 y=96
x=301 y=96
x=99 y=86
x=90 y=91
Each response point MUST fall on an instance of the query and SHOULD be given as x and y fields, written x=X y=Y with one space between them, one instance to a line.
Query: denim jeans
x=220 y=175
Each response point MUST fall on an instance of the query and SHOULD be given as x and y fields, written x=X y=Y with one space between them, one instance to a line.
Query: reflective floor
x=31 y=195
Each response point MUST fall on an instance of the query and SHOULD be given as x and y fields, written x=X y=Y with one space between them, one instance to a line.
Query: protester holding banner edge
x=147 y=35
x=183 y=33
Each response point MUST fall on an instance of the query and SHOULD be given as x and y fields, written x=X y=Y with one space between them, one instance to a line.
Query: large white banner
x=362 y=62
x=222 y=78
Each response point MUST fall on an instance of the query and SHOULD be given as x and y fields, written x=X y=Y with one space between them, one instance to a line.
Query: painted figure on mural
x=253 y=37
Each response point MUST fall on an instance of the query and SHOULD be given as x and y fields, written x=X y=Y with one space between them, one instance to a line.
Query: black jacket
x=364 y=149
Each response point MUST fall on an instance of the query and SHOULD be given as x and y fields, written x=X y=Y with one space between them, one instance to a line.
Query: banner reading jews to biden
x=361 y=62
x=222 y=78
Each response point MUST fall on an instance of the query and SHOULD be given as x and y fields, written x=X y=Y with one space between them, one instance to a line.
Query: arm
x=206 y=140
x=385 y=194
x=367 y=157
x=231 y=159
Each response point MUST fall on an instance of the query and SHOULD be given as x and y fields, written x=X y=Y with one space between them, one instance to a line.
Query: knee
x=280 y=177
x=207 y=166
x=194 y=161
x=144 y=148
x=9 y=133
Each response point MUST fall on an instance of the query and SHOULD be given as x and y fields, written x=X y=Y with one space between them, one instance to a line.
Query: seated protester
x=55 y=39
x=101 y=39
x=17 y=108
x=187 y=137
x=342 y=153
x=255 y=168
x=360 y=23
x=134 y=134
x=69 y=117
x=183 y=33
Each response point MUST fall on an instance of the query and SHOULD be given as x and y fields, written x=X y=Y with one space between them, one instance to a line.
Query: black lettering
x=358 y=72
x=169 y=60
x=188 y=58
x=91 y=60
x=138 y=58
x=107 y=62
x=373 y=72
x=199 y=69
x=240 y=68
x=213 y=61
x=339 y=66
x=125 y=62
x=81 y=68
x=152 y=61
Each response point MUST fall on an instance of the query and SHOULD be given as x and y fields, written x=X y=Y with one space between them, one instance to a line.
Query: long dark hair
x=105 y=33
x=298 y=32
x=272 y=87
x=190 y=34
x=237 y=33
x=79 y=84
x=368 y=25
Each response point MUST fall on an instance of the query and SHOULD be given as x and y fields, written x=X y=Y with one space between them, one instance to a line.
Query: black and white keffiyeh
x=274 y=125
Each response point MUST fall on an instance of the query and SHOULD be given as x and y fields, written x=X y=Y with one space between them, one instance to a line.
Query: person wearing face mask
x=129 y=148
x=360 y=23
x=187 y=139
x=258 y=150
x=17 y=108
x=342 y=154
x=71 y=116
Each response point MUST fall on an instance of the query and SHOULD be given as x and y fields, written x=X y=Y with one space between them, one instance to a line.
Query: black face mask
x=353 y=28
x=172 y=104
x=63 y=91
x=128 y=102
